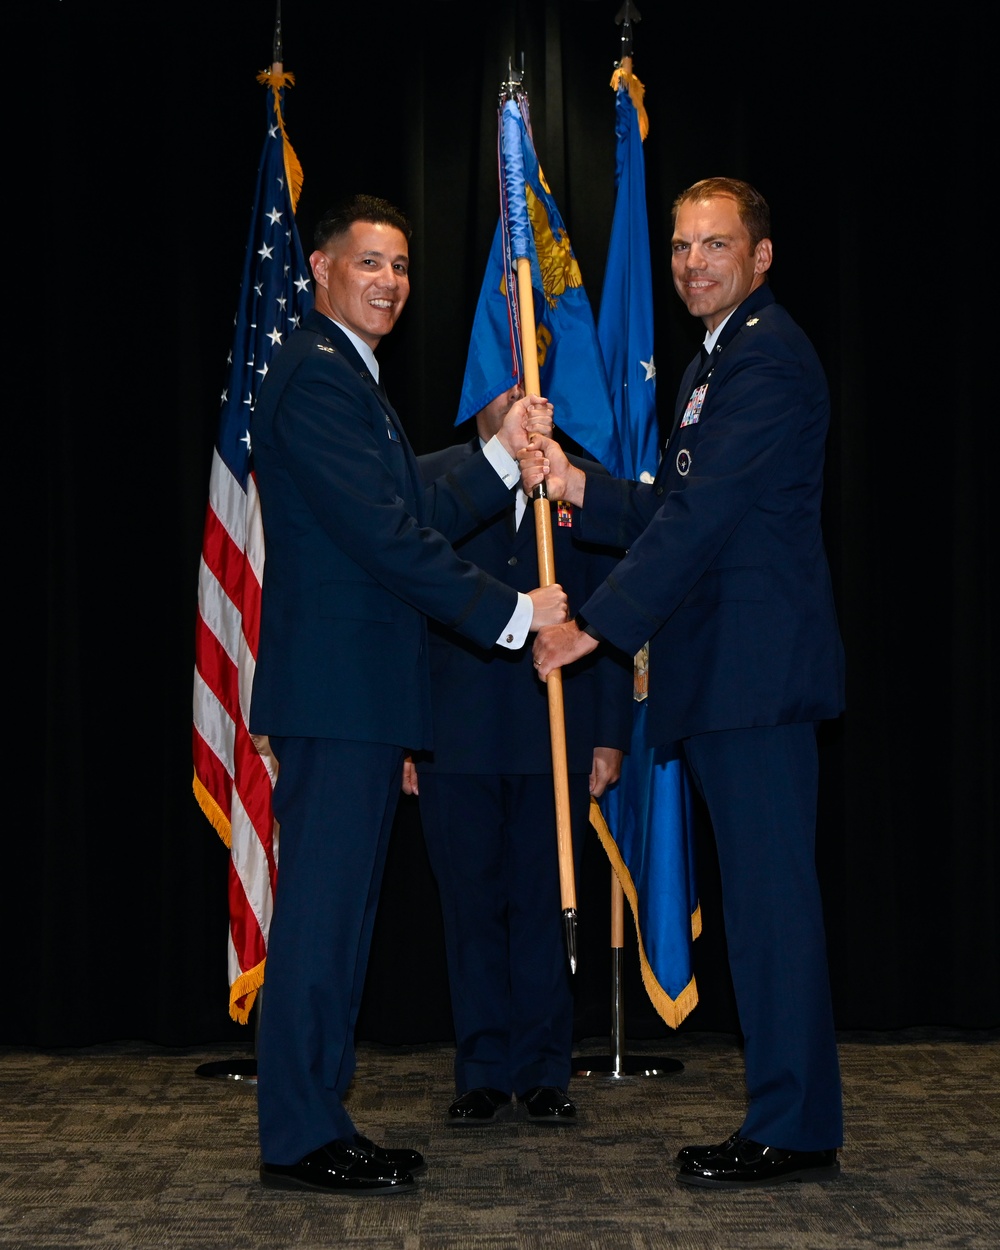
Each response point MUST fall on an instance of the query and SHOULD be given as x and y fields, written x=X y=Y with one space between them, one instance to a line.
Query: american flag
x=233 y=774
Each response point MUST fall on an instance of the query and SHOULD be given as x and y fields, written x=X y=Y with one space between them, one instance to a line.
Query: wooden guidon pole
x=547 y=577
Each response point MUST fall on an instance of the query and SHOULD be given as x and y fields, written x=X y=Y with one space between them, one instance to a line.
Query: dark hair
x=750 y=204
x=338 y=220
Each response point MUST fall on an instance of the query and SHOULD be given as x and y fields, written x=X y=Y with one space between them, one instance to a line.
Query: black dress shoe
x=409 y=1160
x=545 y=1104
x=688 y=1154
x=740 y=1163
x=479 y=1106
x=338 y=1167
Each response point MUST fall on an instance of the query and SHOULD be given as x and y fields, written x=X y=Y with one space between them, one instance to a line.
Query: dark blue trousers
x=491 y=841
x=334 y=802
x=760 y=786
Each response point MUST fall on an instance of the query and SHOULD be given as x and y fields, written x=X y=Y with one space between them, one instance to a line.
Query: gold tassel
x=637 y=92
x=293 y=169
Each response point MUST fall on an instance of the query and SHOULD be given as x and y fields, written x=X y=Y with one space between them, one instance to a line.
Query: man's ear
x=762 y=256
x=319 y=263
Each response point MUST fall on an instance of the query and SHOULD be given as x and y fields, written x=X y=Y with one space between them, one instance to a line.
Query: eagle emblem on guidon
x=556 y=263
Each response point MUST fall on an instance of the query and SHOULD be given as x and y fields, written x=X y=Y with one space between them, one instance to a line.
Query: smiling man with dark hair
x=358 y=556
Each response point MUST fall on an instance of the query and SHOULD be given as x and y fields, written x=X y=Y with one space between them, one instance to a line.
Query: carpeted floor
x=127 y=1146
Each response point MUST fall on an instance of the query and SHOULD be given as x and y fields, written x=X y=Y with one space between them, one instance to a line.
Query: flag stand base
x=236 y=1069
x=230 y=1070
x=618 y=1066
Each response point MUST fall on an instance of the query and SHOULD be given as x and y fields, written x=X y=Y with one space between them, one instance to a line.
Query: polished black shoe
x=688 y=1154
x=409 y=1160
x=339 y=1167
x=545 y=1104
x=740 y=1163
x=480 y=1106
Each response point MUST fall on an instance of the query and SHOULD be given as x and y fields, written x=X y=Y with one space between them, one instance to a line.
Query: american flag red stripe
x=232 y=778
x=234 y=774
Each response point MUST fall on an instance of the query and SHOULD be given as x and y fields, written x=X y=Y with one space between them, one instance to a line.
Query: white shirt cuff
x=516 y=631
x=508 y=470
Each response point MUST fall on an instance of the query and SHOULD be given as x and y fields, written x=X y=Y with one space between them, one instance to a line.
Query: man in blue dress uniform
x=727 y=576
x=359 y=555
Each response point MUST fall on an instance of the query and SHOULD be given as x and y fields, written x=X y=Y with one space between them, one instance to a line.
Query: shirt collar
x=712 y=336
x=359 y=345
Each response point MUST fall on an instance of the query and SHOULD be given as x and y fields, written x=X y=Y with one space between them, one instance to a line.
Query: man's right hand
x=529 y=416
x=549 y=606
x=544 y=460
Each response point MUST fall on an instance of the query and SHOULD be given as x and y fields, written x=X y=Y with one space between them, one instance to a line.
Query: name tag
x=694 y=405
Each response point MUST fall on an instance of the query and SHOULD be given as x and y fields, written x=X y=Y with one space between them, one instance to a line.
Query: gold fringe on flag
x=623 y=75
x=671 y=1010
x=245 y=986
x=216 y=817
x=276 y=78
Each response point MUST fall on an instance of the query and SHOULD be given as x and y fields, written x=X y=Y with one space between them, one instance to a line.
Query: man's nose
x=696 y=257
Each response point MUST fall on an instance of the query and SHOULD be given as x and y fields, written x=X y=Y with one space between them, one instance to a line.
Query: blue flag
x=571 y=373
x=649 y=831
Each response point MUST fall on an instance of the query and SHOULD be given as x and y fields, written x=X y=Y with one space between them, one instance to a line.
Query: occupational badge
x=683 y=462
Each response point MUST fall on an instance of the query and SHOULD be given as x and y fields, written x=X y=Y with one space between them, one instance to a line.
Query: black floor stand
x=617 y=1066
x=236 y=1069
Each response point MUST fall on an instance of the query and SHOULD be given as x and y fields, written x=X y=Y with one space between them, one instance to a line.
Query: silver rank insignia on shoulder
x=753 y=321
x=322 y=347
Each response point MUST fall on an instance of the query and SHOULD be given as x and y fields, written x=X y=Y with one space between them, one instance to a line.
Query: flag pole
x=252 y=753
x=553 y=685
x=617 y=1065
x=546 y=577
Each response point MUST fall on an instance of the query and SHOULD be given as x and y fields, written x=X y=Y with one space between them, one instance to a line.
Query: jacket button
x=659 y=490
x=512 y=561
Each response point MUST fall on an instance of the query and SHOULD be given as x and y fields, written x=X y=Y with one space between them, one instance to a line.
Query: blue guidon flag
x=570 y=370
x=649 y=829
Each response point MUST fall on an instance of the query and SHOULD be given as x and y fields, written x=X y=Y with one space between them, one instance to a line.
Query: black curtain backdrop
x=866 y=137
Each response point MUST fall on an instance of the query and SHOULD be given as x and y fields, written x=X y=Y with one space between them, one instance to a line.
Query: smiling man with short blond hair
x=727 y=577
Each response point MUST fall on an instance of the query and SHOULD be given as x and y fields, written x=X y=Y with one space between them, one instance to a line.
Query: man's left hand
x=558 y=645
